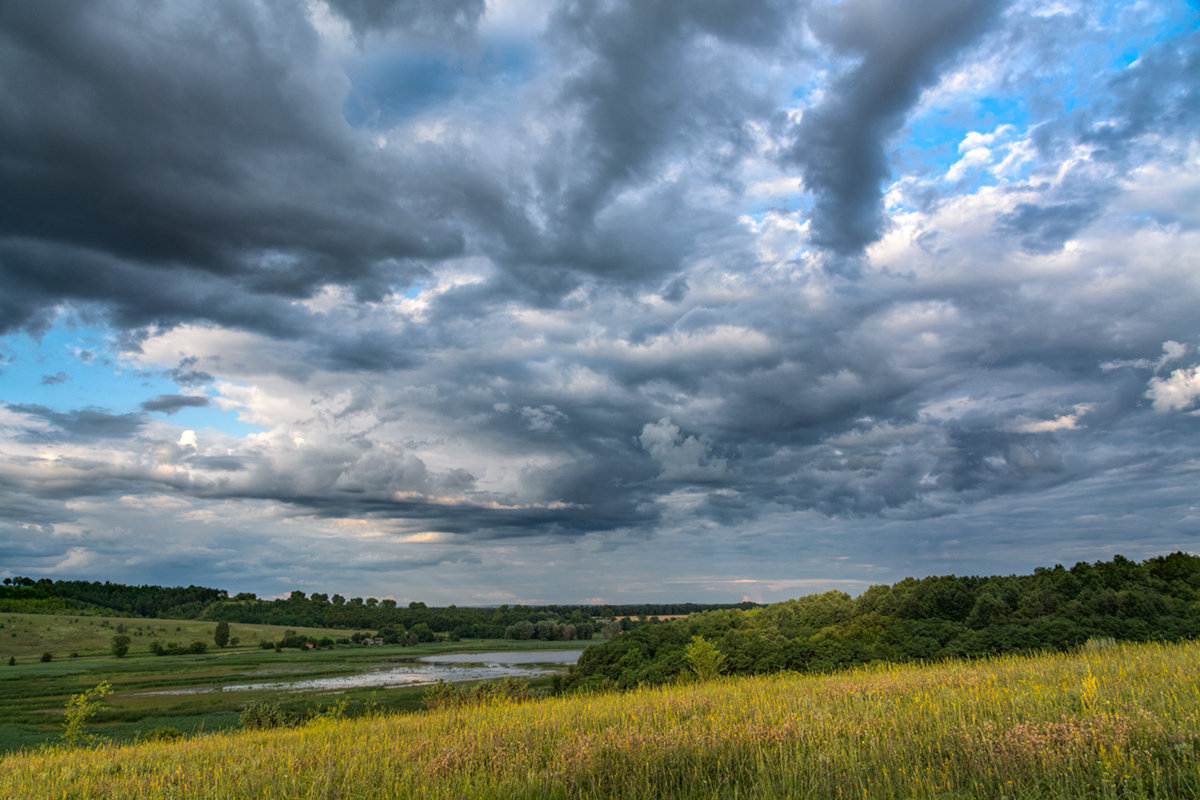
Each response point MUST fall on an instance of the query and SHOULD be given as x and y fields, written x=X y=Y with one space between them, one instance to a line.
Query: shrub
x=704 y=659
x=265 y=715
x=81 y=708
x=163 y=733
x=120 y=645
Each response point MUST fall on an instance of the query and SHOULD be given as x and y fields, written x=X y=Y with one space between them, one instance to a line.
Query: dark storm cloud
x=191 y=161
x=900 y=48
x=170 y=403
x=649 y=86
x=438 y=19
x=84 y=423
x=186 y=374
x=189 y=141
x=1045 y=228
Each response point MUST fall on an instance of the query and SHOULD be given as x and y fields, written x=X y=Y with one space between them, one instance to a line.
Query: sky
x=634 y=301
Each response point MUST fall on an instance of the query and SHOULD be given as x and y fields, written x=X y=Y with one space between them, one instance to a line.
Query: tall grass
x=1114 y=722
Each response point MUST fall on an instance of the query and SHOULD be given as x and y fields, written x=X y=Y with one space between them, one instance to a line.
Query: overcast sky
x=480 y=302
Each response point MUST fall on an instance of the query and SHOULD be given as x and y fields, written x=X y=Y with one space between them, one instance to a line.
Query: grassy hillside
x=1117 y=721
x=27 y=636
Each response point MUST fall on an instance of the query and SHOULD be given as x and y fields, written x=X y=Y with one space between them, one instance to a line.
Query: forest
x=1054 y=609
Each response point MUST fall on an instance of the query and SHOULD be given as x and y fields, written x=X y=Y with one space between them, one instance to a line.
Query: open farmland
x=1113 y=721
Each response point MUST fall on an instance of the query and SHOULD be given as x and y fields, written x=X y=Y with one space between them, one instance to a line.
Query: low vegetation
x=33 y=691
x=1109 y=720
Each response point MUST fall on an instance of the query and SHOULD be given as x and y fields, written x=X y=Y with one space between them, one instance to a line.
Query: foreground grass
x=1122 y=722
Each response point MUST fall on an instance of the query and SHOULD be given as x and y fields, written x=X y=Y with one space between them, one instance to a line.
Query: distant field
x=28 y=636
x=1121 y=721
x=33 y=693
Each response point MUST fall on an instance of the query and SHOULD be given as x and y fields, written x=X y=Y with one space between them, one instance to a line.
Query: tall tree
x=221 y=634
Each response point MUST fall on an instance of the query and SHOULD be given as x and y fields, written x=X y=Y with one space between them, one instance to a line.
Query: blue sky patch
x=72 y=367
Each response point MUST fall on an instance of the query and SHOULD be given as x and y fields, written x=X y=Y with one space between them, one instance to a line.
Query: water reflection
x=452 y=667
x=499 y=659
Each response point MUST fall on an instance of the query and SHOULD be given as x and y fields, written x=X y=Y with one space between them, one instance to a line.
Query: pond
x=451 y=667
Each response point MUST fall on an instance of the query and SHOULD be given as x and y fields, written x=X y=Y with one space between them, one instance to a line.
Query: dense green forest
x=930 y=618
x=395 y=623
x=27 y=594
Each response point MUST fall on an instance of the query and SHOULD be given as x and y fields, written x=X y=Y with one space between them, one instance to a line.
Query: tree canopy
x=914 y=619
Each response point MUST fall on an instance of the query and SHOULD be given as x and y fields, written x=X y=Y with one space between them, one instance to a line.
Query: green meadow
x=27 y=636
x=33 y=693
x=1110 y=721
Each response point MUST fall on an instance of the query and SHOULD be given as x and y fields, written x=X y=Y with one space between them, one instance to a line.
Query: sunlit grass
x=26 y=636
x=1121 y=721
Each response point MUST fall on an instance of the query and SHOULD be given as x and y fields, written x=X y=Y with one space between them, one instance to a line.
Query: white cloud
x=1063 y=422
x=679 y=457
x=1177 y=392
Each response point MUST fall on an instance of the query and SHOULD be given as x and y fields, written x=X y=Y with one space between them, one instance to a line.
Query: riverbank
x=186 y=693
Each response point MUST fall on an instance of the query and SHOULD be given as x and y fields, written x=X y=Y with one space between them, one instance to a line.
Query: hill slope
x=1121 y=721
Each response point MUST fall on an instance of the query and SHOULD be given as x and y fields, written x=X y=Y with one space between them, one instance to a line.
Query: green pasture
x=34 y=693
x=26 y=636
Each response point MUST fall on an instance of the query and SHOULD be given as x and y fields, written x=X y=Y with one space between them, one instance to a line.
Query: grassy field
x=33 y=693
x=1116 y=722
x=27 y=636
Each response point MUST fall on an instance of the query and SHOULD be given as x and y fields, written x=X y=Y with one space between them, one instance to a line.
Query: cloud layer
x=546 y=300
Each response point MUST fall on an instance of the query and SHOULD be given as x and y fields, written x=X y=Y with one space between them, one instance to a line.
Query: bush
x=163 y=733
x=221 y=634
x=264 y=715
x=120 y=645
x=175 y=649
x=47 y=657
x=80 y=709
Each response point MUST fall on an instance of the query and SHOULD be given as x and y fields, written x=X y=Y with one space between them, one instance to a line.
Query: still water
x=501 y=659
x=452 y=667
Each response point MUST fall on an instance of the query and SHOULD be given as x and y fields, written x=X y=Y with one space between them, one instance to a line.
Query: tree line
x=176 y=602
x=320 y=610
x=916 y=619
